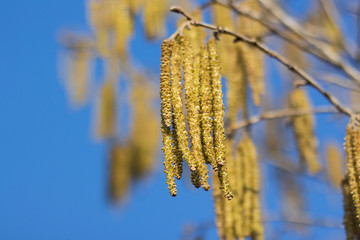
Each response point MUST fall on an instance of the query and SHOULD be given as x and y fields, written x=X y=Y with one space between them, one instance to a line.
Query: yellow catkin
x=178 y=161
x=236 y=97
x=206 y=108
x=179 y=117
x=218 y=117
x=196 y=35
x=98 y=14
x=106 y=122
x=253 y=58
x=352 y=148
x=168 y=159
x=119 y=177
x=219 y=202
x=350 y=221
x=165 y=84
x=191 y=84
x=304 y=130
x=153 y=18
x=123 y=28
x=79 y=72
x=247 y=197
x=334 y=165
x=144 y=132
x=230 y=206
x=166 y=115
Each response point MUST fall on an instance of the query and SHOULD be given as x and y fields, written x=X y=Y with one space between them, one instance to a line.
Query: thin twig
x=282 y=113
x=302 y=74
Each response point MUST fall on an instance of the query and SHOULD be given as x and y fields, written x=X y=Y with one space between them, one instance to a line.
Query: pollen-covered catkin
x=206 y=97
x=218 y=117
x=191 y=85
x=165 y=82
x=304 y=130
x=178 y=161
x=350 y=221
x=352 y=149
x=166 y=116
x=179 y=117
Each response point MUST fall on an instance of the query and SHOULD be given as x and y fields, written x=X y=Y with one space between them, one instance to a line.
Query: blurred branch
x=239 y=37
x=282 y=113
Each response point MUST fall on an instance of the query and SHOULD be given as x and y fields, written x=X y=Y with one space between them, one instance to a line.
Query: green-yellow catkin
x=169 y=169
x=350 y=221
x=191 y=68
x=247 y=198
x=352 y=149
x=178 y=161
x=153 y=18
x=236 y=97
x=123 y=28
x=179 y=117
x=165 y=82
x=145 y=133
x=304 y=130
x=206 y=97
x=222 y=17
x=106 y=119
x=334 y=165
x=219 y=202
x=230 y=206
x=98 y=12
x=166 y=115
x=218 y=117
x=79 y=72
x=119 y=177
x=253 y=58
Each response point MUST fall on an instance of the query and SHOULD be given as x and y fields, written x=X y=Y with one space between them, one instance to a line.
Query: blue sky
x=52 y=173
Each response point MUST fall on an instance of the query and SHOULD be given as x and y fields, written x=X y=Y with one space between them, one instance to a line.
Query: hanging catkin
x=165 y=94
x=352 y=148
x=218 y=117
x=191 y=70
x=206 y=97
x=334 y=165
x=350 y=221
x=252 y=57
x=179 y=117
x=304 y=130
x=106 y=122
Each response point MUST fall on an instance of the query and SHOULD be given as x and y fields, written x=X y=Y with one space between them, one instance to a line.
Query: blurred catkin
x=304 y=130
x=106 y=117
x=334 y=165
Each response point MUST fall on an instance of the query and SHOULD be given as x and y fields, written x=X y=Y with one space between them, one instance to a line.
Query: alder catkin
x=334 y=165
x=218 y=117
x=350 y=221
x=166 y=116
x=191 y=85
x=304 y=130
x=179 y=117
x=206 y=97
x=106 y=122
x=165 y=82
x=352 y=149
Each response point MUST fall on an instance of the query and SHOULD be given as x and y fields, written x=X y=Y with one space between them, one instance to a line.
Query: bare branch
x=302 y=74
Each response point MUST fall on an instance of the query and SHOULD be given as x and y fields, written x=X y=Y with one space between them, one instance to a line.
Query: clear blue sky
x=53 y=175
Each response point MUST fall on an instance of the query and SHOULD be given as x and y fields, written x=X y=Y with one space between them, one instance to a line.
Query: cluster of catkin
x=240 y=217
x=204 y=114
x=304 y=130
x=351 y=183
